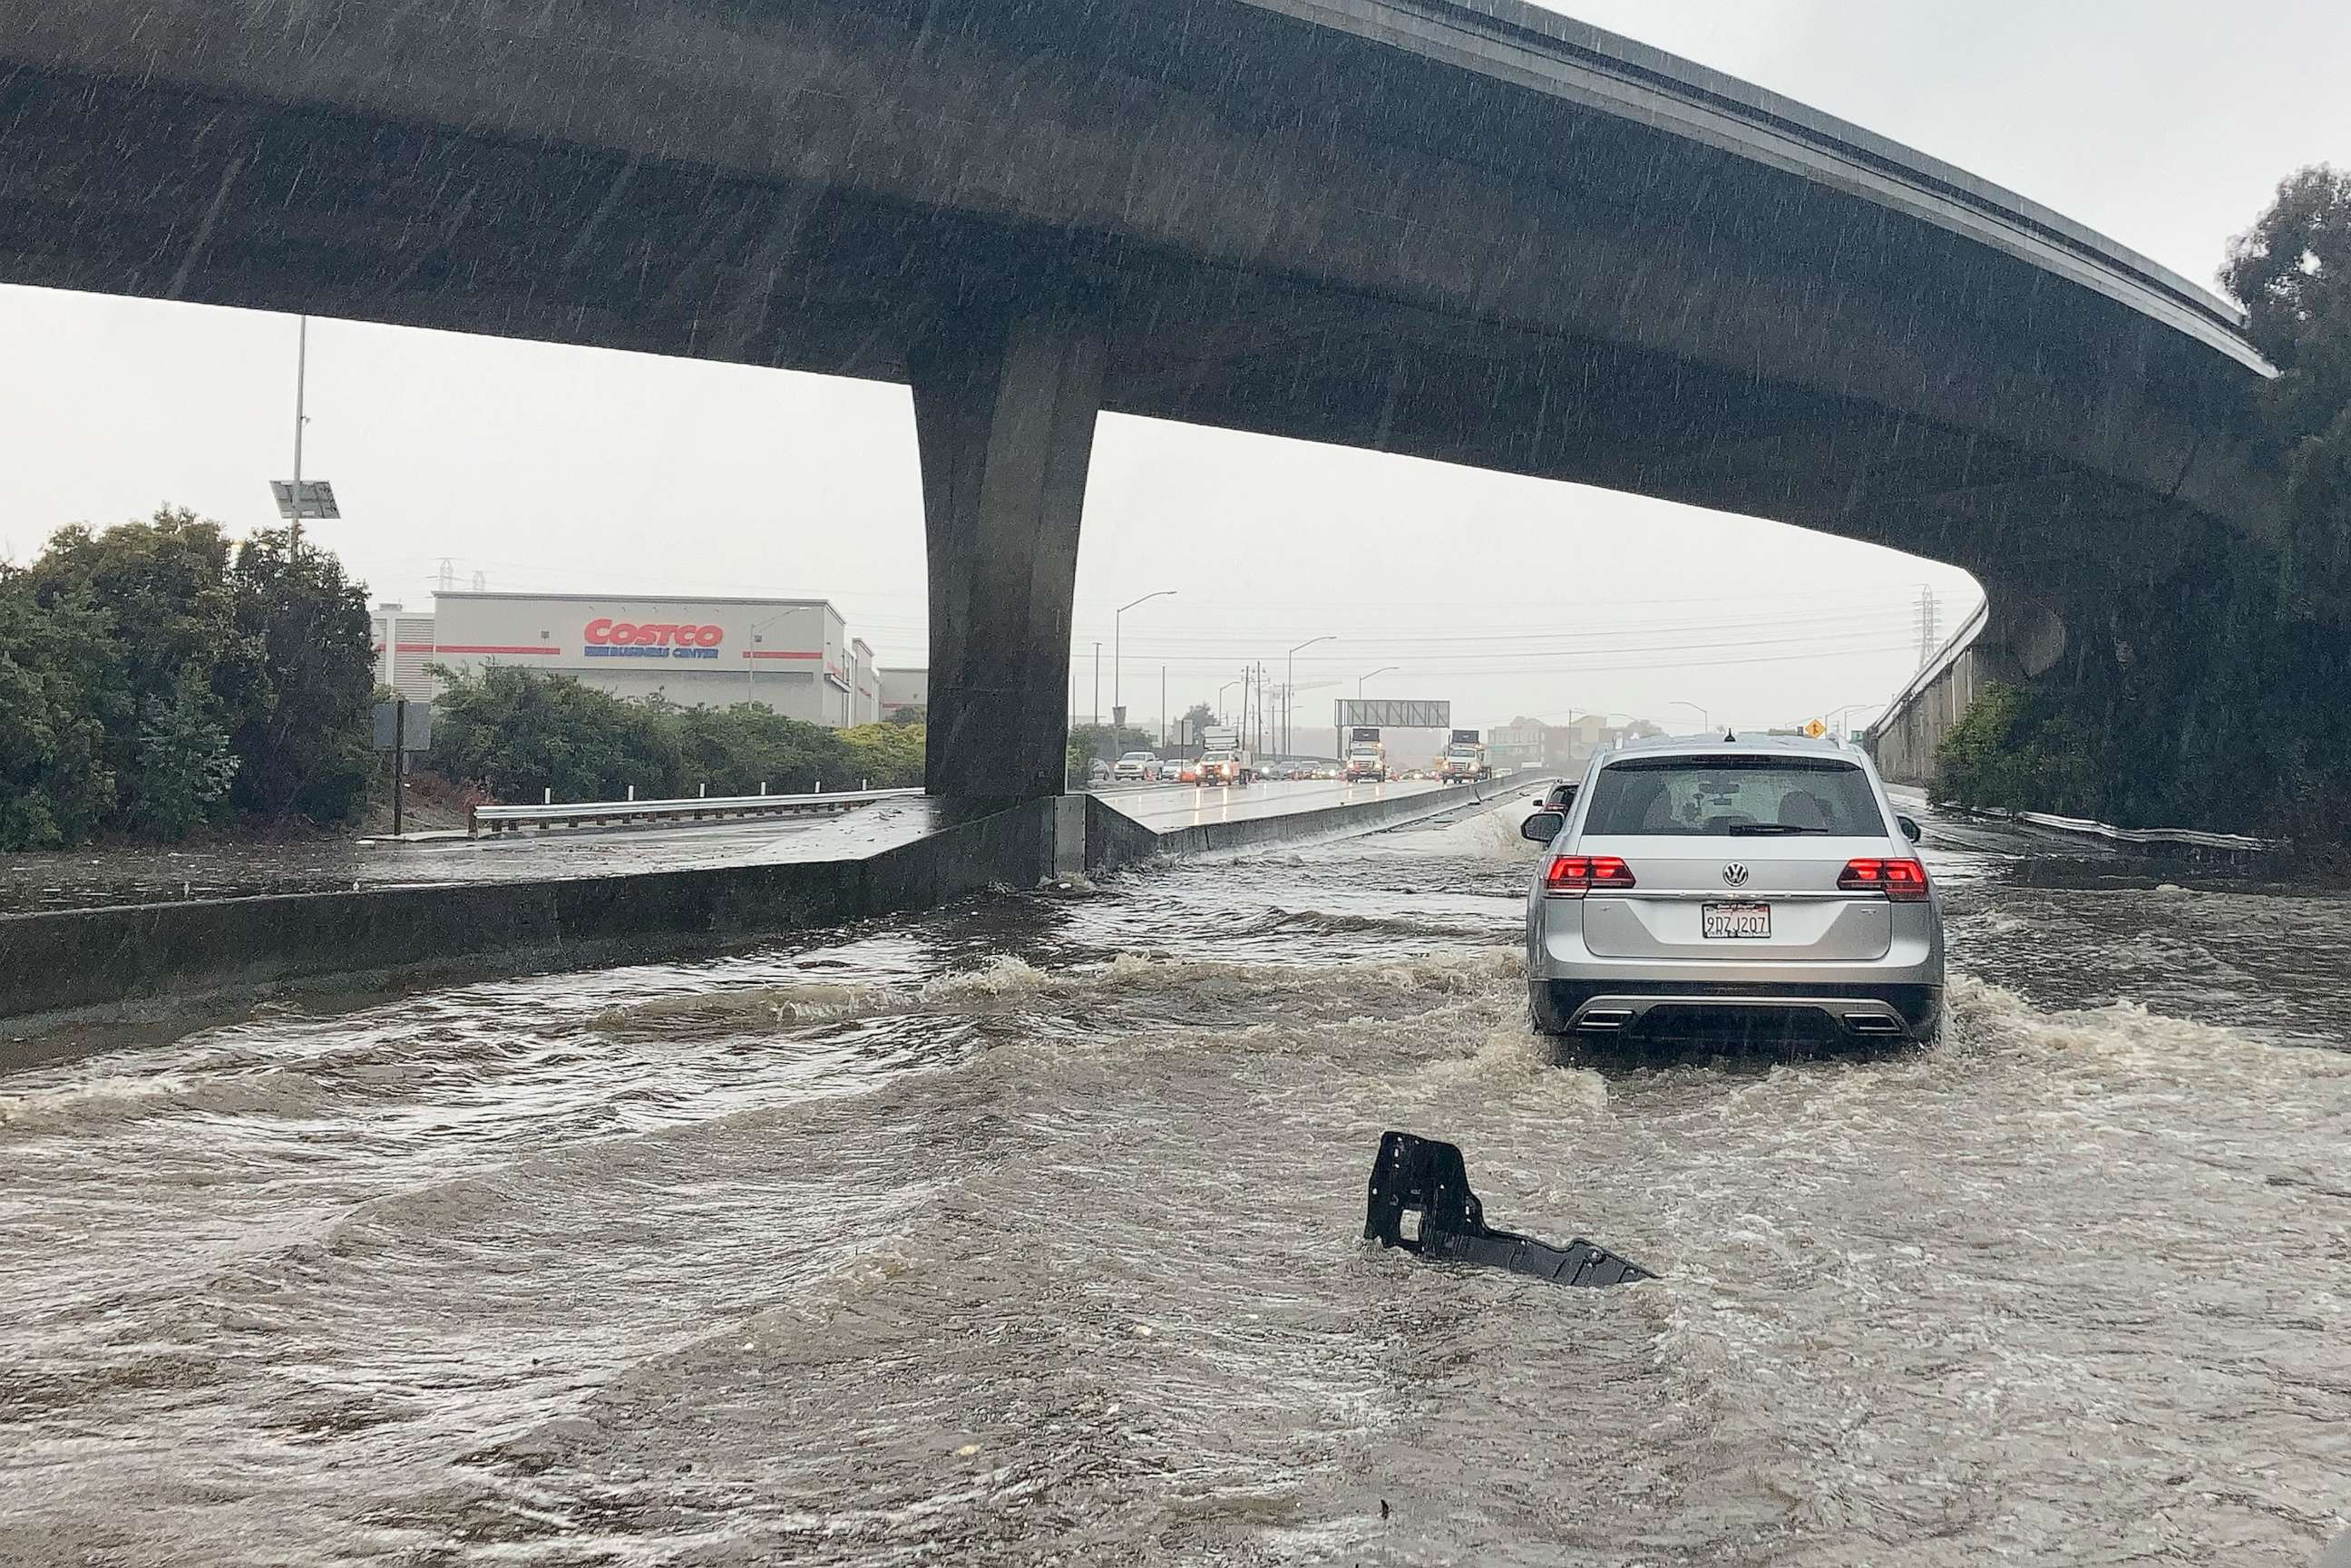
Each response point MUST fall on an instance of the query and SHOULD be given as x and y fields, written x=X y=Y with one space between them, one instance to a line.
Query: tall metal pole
x=301 y=385
x=1162 y=707
x=1098 y=685
x=1290 y=690
x=398 y=758
x=1118 y=647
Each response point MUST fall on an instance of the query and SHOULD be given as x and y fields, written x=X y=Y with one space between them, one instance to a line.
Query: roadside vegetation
x=517 y=734
x=157 y=682
x=2216 y=693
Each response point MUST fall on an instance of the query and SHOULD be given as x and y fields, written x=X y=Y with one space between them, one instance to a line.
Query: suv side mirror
x=1909 y=828
x=1543 y=826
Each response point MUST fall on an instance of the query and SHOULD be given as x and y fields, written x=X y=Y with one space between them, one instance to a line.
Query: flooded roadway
x=1027 y=1232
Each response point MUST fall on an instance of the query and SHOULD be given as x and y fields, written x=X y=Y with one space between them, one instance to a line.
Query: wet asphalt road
x=1027 y=1231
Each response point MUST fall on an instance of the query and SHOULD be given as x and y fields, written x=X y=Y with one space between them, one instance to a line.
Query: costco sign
x=608 y=639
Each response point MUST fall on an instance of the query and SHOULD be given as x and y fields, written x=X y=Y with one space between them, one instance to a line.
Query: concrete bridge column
x=1005 y=404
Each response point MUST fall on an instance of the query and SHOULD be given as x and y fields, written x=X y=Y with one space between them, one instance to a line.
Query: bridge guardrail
x=2195 y=837
x=497 y=820
x=1954 y=648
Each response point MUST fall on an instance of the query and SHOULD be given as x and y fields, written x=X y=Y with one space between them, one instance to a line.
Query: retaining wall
x=1114 y=838
x=61 y=967
x=55 y=965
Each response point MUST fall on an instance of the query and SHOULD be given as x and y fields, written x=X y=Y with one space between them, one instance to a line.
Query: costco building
x=794 y=655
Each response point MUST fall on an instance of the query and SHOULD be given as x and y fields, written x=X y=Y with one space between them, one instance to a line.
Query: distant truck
x=1367 y=757
x=1465 y=760
x=1224 y=759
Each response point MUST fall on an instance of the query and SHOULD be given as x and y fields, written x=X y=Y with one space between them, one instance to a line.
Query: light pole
x=1118 y=652
x=1229 y=686
x=1290 y=691
x=295 y=499
x=751 y=654
x=1703 y=721
x=1383 y=670
x=1837 y=715
x=1098 y=685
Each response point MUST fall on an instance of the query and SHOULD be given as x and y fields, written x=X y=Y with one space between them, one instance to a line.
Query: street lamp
x=1229 y=686
x=1117 y=652
x=1703 y=721
x=299 y=498
x=751 y=654
x=1837 y=715
x=1383 y=670
x=1290 y=691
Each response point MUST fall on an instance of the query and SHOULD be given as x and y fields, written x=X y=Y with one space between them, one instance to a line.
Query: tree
x=304 y=738
x=518 y=733
x=908 y=713
x=1198 y=718
x=55 y=785
x=2291 y=271
x=176 y=647
x=185 y=767
x=887 y=756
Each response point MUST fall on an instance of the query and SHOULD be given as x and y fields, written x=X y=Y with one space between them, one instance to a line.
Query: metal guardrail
x=2197 y=837
x=497 y=820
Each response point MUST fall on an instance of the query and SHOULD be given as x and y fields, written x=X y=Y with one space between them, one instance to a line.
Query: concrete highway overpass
x=1470 y=231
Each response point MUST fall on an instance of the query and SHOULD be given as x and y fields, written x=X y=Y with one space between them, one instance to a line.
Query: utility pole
x=301 y=389
x=1162 y=707
x=1098 y=685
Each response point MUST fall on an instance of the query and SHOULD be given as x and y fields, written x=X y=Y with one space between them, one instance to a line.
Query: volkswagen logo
x=1734 y=876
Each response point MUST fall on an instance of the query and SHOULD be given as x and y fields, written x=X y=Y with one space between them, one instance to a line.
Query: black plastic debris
x=1421 y=1201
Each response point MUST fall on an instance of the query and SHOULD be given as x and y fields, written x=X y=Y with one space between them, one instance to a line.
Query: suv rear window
x=1731 y=797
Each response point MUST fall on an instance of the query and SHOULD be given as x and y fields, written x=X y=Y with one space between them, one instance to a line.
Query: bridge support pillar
x=1005 y=405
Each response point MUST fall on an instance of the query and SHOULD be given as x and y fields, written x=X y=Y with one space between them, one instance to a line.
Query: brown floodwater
x=1027 y=1231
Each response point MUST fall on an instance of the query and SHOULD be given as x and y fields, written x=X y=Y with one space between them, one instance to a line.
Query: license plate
x=1735 y=920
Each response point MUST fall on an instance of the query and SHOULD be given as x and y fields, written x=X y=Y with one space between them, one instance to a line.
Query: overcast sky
x=2161 y=123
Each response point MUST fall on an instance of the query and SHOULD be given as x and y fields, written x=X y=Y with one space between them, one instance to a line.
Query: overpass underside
x=1501 y=280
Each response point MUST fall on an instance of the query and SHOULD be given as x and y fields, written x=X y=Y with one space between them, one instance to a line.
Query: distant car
x=1136 y=768
x=1762 y=885
x=1099 y=772
x=1188 y=771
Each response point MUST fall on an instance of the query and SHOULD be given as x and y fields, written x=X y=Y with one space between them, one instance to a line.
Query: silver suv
x=1748 y=885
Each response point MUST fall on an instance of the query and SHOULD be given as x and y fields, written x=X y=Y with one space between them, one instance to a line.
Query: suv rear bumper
x=1654 y=1007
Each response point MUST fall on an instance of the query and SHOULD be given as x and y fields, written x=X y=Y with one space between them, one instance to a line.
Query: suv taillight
x=1572 y=876
x=1903 y=881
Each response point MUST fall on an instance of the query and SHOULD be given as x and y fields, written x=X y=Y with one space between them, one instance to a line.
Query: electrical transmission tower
x=1930 y=622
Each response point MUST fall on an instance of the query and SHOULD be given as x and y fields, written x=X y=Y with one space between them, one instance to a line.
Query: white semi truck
x=1367 y=755
x=1465 y=759
x=1224 y=759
